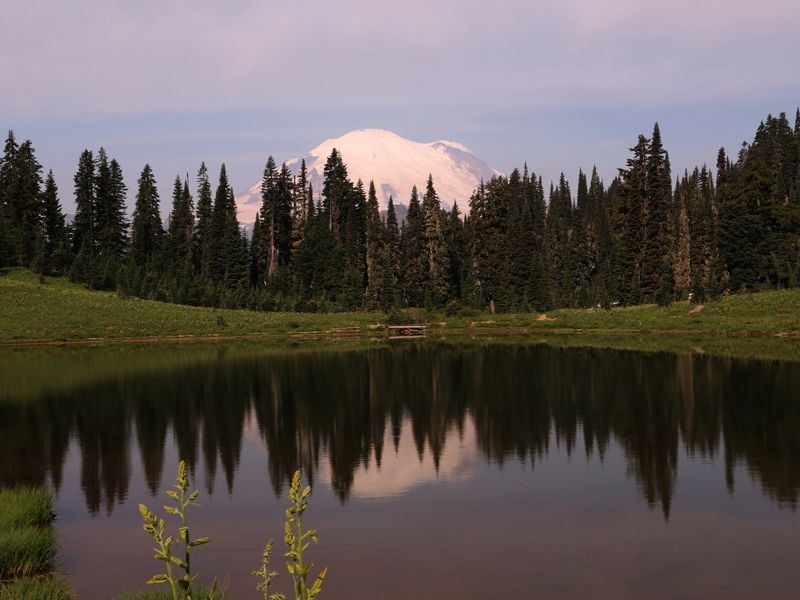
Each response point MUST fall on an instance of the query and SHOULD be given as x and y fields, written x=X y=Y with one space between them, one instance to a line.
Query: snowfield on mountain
x=394 y=163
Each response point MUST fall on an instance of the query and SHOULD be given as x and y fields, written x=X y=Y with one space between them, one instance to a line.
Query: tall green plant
x=266 y=575
x=156 y=527
x=298 y=541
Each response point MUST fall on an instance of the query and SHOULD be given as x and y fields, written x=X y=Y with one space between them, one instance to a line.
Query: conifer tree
x=272 y=245
x=221 y=214
x=476 y=228
x=558 y=233
x=455 y=243
x=266 y=247
x=300 y=201
x=538 y=290
x=599 y=243
x=437 y=258
x=84 y=241
x=335 y=191
x=110 y=223
x=7 y=185
x=628 y=207
x=147 y=230
x=375 y=250
x=204 y=248
x=56 y=250
x=390 y=296
x=582 y=243
x=354 y=247
x=180 y=237
x=412 y=253
x=658 y=241
x=26 y=203
x=683 y=259
x=235 y=255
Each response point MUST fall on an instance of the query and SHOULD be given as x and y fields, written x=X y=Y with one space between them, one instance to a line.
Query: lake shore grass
x=61 y=312
x=28 y=545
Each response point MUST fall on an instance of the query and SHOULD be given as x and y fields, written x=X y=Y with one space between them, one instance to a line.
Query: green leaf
x=317 y=587
x=178 y=561
x=199 y=541
x=156 y=579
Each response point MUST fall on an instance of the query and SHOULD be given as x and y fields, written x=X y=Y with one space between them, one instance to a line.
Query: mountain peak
x=394 y=163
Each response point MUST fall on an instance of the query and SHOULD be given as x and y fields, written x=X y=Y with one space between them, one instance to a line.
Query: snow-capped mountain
x=394 y=163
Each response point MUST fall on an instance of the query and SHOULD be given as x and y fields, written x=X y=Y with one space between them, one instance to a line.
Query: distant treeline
x=643 y=238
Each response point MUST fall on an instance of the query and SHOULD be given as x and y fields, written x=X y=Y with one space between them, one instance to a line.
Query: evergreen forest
x=648 y=236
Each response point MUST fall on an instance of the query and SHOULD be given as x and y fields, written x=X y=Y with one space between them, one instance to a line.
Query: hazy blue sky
x=559 y=84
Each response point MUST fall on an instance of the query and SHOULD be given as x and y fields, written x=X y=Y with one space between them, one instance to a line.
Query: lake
x=439 y=470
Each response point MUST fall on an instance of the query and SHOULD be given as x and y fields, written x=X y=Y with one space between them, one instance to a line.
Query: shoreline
x=360 y=334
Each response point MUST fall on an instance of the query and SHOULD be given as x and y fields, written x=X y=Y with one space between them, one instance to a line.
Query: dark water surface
x=438 y=471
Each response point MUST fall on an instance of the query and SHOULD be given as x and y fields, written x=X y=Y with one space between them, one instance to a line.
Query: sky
x=559 y=84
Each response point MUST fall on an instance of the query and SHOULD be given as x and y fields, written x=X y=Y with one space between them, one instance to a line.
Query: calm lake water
x=439 y=471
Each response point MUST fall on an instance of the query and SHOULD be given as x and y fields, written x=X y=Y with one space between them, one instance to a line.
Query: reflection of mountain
x=403 y=467
x=387 y=419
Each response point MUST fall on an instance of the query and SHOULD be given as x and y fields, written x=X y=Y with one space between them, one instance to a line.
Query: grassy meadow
x=28 y=545
x=59 y=310
x=763 y=325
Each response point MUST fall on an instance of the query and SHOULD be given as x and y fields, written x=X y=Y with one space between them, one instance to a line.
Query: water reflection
x=388 y=419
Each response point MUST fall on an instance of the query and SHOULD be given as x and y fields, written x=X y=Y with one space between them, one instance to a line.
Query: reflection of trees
x=522 y=399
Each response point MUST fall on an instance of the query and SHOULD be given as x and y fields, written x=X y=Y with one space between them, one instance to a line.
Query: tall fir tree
x=84 y=242
x=57 y=254
x=375 y=250
x=203 y=246
x=412 y=253
x=219 y=220
x=300 y=202
x=390 y=292
x=658 y=242
x=456 y=244
x=683 y=247
x=7 y=185
x=26 y=203
x=436 y=255
x=180 y=237
x=628 y=196
x=110 y=221
x=147 y=230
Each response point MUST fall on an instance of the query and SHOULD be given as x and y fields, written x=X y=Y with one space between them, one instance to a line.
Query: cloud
x=88 y=58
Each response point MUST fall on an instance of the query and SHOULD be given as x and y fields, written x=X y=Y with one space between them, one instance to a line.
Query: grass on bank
x=27 y=540
x=28 y=545
x=165 y=594
x=60 y=310
x=35 y=588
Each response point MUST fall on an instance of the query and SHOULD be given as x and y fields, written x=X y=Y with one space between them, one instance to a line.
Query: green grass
x=28 y=546
x=35 y=588
x=770 y=312
x=25 y=506
x=61 y=310
x=27 y=540
x=160 y=593
x=27 y=551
